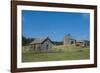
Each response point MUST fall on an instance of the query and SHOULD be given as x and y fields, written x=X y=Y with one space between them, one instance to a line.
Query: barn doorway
x=72 y=42
x=47 y=47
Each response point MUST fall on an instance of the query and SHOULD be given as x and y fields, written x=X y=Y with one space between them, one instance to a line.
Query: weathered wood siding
x=68 y=41
x=46 y=46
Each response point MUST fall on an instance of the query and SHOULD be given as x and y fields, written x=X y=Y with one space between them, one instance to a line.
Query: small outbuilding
x=42 y=44
x=82 y=43
x=68 y=40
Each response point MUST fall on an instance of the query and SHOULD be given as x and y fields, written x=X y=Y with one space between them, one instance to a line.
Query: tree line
x=26 y=41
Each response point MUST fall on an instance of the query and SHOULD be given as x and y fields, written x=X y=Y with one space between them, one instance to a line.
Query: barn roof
x=39 y=40
x=68 y=36
x=80 y=41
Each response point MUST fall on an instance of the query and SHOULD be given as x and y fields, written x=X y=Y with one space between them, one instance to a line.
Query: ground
x=57 y=53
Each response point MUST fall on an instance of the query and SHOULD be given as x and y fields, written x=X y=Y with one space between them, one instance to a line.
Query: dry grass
x=67 y=48
x=61 y=52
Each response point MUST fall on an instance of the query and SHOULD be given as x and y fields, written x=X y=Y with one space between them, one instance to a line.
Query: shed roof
x=39 y=40
x=68 y=36
x=80 y=41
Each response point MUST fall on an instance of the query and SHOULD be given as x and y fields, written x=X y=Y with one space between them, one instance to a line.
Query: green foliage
x=26 y=41
x=87 y=42
x=58 y=43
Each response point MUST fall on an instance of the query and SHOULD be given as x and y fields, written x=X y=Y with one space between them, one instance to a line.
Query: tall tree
x=26 y=41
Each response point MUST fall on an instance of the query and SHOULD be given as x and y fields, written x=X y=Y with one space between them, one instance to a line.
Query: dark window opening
x=47 y=47
x=72 y=42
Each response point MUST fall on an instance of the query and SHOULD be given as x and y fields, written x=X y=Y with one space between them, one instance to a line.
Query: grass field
x=57 y=53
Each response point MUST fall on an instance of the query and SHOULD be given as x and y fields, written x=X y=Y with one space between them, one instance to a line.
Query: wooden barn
x=68 y=40
x=42 y=45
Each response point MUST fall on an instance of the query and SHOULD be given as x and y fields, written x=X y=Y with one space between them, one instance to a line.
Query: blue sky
x=38 y=24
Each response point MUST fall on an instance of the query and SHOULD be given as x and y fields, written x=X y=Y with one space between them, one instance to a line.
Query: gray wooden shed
x=41 y=44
